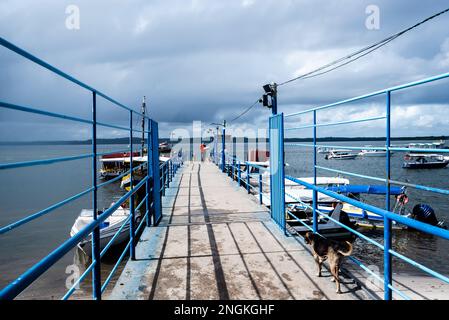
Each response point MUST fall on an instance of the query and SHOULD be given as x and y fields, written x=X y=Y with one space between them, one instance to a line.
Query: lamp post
x=223 y=144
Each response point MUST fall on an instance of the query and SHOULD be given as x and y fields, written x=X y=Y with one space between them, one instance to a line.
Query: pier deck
x=216 y=242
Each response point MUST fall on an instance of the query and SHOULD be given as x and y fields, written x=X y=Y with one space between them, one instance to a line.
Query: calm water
x=28 y=190
x=431 y=251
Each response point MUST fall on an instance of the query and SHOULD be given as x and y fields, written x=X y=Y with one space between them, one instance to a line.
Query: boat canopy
x=369 y=189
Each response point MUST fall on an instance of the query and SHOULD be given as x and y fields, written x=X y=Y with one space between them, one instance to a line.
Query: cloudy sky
x=206 y=60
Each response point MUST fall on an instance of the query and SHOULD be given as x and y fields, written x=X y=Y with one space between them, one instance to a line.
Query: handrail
x=424 y=227
x=31 y=163
x=151 y=199
x=55 y=206
x=23 y=281
x=377 y=244
x=42 y=63
x=372 y=94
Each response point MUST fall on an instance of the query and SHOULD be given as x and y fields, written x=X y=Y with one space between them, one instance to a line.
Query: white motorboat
x=340 y=155
x=108 y=228
x=322 y=150
x=373 y=153
x=424 y=161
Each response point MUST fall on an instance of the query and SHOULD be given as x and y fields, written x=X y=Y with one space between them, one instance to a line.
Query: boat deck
x=216 y=242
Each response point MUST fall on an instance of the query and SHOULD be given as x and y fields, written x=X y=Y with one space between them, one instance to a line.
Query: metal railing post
x=315 y=193
x=247 y=178
x=168 y=173
x=223 y=146
x=96 y=249
x=149 y=174
x=132 y=252
x=163 y=178
x=239 y=174
x=260 y=189
x=387 y=222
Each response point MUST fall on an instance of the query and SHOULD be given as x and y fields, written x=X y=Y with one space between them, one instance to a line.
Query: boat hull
x=426 y=165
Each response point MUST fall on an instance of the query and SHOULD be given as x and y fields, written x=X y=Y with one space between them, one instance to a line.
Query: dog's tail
x=346 y=253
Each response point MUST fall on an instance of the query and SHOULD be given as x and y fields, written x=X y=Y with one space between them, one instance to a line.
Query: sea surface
x=24 y=191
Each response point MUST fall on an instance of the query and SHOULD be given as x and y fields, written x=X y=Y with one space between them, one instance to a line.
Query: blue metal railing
x=151 y=199
x=387 y=215
x=231 y=165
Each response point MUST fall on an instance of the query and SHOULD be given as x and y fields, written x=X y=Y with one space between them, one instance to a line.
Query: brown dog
x=323 y=249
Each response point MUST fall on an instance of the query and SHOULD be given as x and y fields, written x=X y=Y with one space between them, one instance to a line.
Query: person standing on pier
x=203 y=151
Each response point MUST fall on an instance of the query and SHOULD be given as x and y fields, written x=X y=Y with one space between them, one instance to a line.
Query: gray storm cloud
x=207 y=60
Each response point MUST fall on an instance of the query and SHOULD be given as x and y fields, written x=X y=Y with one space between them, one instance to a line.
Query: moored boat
x=340 y=155
x=373 y=153
x=108 y=228
x=424 y=161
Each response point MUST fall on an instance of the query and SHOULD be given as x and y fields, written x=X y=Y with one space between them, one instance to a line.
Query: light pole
x=223 y=144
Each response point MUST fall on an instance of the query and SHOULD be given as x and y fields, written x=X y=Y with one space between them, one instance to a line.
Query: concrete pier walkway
x=216 y=242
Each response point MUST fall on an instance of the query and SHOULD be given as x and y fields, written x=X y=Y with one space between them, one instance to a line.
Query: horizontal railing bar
x=419 y=150
x=31 y=163
x=108 y=279
x=299 y=220
x=106 y=248
x=24 y=280
x=59 y=72
x=339 y=223
x=43 y=212
x=58 y=205
x=424 y=227
x=336 y=147
x=141 y=202
x=420 y=187
x=113 y=126
x=400 y=183
x=357 y=262
x=336 y=123
x=398 y=255
x=371 y=272
x=11 y=106
x=351 y=174
x=143 y=220
x=120 y=176
x=369 y=95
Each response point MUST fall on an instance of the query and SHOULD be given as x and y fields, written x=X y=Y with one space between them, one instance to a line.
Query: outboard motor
x=424 y=213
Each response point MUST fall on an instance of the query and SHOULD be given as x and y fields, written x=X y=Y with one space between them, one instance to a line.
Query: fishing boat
x=113 y=165
x=295 y=193
x=164 y=147
x=108 y=228
x=138 y=174
x=424 y=161
x=441 y=144
x=340 y=155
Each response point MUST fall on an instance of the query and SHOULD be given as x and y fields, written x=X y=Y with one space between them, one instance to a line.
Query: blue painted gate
x=277 y=176
x=154 y=152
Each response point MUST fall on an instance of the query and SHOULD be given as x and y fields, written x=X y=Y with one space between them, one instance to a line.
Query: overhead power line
x=245 y=111
x=347 y=59
x=359 y=53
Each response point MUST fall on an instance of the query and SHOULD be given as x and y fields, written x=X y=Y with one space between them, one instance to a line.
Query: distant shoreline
x=137 y=141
